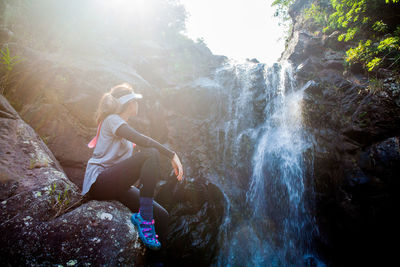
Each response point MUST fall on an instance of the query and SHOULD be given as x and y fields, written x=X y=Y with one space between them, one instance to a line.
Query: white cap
x=125 y=98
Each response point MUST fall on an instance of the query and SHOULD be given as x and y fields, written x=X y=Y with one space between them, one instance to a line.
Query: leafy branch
x=371 y=27
x=7 y=62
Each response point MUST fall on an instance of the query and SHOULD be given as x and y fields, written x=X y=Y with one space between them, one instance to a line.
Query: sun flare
x=124 y=9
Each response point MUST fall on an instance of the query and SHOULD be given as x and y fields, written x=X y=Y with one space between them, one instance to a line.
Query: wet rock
x=301 y=46
x=312 y=88
x=355 y=122
x=393 y=88
x=306 y=69
x=196 y=208
x=297 y=6
x=332 y=41
x=382 y=159
x=253 y=60
x=333 y=60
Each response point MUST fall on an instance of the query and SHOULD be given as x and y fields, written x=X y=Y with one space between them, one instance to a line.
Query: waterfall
x=265 y=176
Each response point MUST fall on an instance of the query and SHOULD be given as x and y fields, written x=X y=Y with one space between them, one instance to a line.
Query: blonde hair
x=109 y=104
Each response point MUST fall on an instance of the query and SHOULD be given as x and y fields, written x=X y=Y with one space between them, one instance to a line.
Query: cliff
x=60 y=110
x=43 y=218
x=190 y=105
x=53 y=95
x=355 y=121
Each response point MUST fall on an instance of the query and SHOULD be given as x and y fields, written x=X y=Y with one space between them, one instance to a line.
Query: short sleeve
x=114 y=121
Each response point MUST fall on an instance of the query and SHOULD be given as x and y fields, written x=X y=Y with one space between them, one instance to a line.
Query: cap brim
x=138 y=96
x=126 y=98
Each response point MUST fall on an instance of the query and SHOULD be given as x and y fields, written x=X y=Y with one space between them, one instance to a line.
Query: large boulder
x=196 y=207
x=355 y=155
x=355 y=123
x=58 y=96
x=43 y=219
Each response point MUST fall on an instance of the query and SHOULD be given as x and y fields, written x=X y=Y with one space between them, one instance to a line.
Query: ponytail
x=109 y=104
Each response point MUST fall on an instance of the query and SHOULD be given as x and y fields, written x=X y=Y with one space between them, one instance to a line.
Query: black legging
x=116 y=183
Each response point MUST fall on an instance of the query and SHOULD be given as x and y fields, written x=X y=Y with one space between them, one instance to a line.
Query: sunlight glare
x=238 y=29
x=126 y=7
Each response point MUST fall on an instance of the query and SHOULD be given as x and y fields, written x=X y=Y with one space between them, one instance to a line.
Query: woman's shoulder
x=112 y=122
x=113 y=117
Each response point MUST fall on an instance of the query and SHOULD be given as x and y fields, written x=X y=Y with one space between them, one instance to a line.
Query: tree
x=371 y=27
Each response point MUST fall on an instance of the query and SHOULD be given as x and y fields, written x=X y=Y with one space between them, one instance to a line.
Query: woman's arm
x=127 y=132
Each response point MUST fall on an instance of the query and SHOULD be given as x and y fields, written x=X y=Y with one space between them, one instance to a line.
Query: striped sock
x=146 y=208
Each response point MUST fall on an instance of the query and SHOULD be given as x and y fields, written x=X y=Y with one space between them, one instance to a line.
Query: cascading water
x=262 y=145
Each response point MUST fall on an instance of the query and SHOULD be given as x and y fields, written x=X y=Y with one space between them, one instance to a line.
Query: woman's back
x=109 y=150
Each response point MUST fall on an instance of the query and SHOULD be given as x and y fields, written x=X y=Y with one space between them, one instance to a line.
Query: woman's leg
x=130 y=198
x=119 y=178
x=114 y=180
x=115 y=183
x=150 y=173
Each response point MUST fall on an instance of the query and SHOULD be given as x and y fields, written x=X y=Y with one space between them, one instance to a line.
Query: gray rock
x=356 y=124
x=43 y=219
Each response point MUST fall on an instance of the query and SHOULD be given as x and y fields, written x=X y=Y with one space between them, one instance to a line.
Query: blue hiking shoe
x=146 y=231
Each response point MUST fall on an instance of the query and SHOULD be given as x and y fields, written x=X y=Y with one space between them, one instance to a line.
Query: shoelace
x=149 y=230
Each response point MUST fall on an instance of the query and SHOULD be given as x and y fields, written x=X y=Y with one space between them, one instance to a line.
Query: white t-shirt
x=110 y=149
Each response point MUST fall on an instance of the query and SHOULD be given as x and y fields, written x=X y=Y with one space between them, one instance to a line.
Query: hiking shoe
x=146 y=231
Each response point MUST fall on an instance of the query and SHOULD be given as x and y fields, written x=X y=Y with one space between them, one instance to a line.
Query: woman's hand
x=176 y=163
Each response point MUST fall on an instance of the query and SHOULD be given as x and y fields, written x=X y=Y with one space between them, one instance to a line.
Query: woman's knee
x=153 y=152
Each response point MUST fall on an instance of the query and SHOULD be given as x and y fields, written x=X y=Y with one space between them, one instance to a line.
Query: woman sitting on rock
x=116 y=165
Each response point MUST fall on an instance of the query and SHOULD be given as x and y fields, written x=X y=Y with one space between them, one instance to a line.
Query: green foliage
x=380 y=26
x=282 y=8
x=368 y=23
x=7 y=60
x=7 y=64
x=375 y=54
x=375 y=85
x=348 y=15
x=282 y=11
x=372 y=64
x=318 y=13
x=371 y=27
x=59 y=199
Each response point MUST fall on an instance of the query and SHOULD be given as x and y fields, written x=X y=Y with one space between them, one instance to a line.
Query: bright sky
x=238 y=29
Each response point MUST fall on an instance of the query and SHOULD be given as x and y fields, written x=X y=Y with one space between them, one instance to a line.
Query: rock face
x=60 y=110
x=356 y=125
x=56 y=91
x=58 y=94
x=41 y=223
x=196 y=208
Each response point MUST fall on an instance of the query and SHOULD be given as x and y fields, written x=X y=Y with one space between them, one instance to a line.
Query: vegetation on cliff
x=53 y=20
x=147 y=35
x=7 y=63
x=369 y=29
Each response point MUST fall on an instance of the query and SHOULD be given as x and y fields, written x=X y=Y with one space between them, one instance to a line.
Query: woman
x=116 y=165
